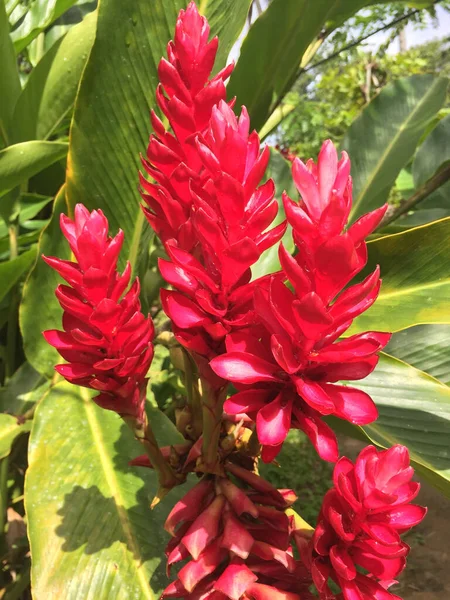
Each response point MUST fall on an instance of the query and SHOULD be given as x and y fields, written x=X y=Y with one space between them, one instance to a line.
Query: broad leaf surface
x=226 y=19
x=426 y=347
x=382 y=140
x=272 y=52
x=39 y=309
x=40 y=14
x=49 y=94
x=12 y=271
x=20 y=162
x=416 y=283
x=92 y=533
x=414 y=411
x=433 y=153
x=9 y=77
x=14 y=396
x=10 y=429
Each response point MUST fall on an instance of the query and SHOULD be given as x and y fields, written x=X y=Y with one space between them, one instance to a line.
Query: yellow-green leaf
x=416 y=283
x=91 y=530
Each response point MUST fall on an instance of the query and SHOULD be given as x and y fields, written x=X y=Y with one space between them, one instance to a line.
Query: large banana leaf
x=92 y=533
x=433 y=153
x=272 y=51
x=13 y=270
x=39 y=309
x=20 y=162
x=10 y=429
x=416 y=283
x=49 y=94
x=9 y=77
x=40 y=14
x=281 y=40
x=226 y=19
x=426 y=347
x=415 y=411
x=383 y=139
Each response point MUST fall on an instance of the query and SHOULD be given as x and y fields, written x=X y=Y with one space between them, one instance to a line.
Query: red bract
x=106 y=339
x=360 y=524
x=235 y=537
x=208 y=206
x=230 y=217
x=186 y=96
x=288 y=369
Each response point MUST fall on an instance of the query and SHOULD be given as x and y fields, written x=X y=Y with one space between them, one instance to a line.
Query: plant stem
x=441 y=177
x=11 y=332
x=212 y=402
x=193 y=396
x=4 y=464
x=144 y=433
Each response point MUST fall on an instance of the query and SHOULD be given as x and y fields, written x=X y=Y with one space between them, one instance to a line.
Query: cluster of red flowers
x=207 y=206
x=236 y=537
x=289 y=364
x=277 y=339
x=106 y=339
x=360 y=522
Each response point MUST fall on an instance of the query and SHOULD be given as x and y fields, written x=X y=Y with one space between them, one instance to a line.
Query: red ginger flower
x=288 y=368
x=206 y=206
x=186 y=96
x=230 y=217
x=106 y=339
x=360 y=524
x=235 y=537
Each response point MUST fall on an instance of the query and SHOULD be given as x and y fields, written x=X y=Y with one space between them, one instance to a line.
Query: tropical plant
x=200 y=327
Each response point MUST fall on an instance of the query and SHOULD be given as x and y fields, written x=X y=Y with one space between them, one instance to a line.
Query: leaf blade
x=382 y=140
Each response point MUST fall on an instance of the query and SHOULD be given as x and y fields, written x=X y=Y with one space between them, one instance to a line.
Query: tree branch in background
x=441 y=177
x=361 y=39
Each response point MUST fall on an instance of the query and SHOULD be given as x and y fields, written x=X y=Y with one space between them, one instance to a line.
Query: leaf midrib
x=412 y=289
x=111 y=479
x=389 y=147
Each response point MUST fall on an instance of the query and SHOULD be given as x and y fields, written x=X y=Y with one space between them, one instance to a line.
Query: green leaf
x=100 y=538
x=61 y=85
x=277 y=117
x=23 y=241
x=13 y=396
x=13 y=270
x=20 y=162
x=31 y=205
x=9 y=76
x=382 y=140
x=49 y=94
x=426 y=347
x=111 y=125
x=271 y=53
x=226 y=19
x=416 y=219
x=39 y=290
x=433 y=153
x=10 y=429
x=415 y=411
x=26 y=110
x=416 y=283
x=40 y=14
